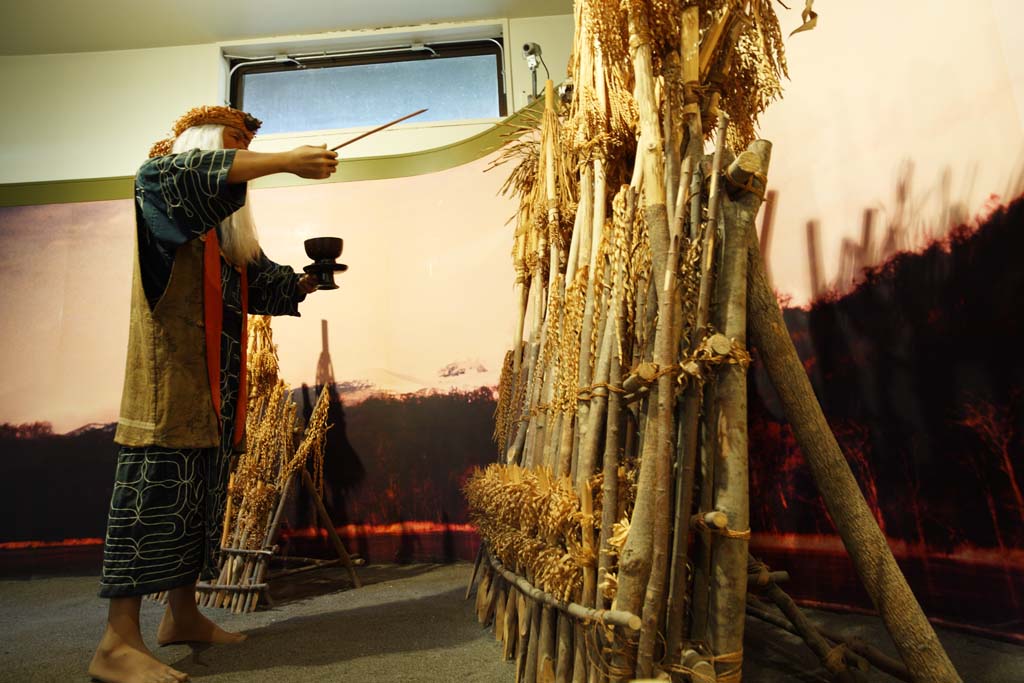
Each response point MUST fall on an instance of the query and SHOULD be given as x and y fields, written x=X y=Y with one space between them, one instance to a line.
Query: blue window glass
x=317 y=96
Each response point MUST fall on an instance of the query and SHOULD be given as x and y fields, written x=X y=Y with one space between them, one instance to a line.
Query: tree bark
x=729 y=549
x=914 y=637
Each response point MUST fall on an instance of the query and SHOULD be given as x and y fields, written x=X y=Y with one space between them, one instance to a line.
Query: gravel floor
x=408 y=623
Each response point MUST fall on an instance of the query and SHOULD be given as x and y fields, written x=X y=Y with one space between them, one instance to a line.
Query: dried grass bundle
x=549 y=354
x=503 y=409
x=566 y=375
x=563 y=170
x=271 y=457
x=525 y=152
x=751 y=81
x=603 y=116
x=531 y=521
x=620 y=532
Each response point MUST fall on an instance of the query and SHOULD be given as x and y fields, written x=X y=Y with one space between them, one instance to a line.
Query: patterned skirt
x=167 y=507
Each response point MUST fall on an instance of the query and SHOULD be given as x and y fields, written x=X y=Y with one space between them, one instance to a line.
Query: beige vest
x=166 y=399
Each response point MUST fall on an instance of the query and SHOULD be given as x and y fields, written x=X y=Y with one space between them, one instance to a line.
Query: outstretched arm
x=307 y=161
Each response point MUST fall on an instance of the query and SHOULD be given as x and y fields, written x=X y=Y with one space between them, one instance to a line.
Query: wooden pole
x=510 y=631
x=914 y=637
x=518 y=349
x=626 y=620
x=590 y=438
x=583 y=228
x=547 y=432
x=581 y=666
x=702 y=561
x=599 y=208
x=546 y=651
x=688 y=442
x=582 y=670
x=731 y=496
x=524 y=614
x=533 y=645
x=646 y=544
x=564 y=661
x=515 y=451
x=610 y=479
x=861 y=649
x=332 y=534
x=829 y=657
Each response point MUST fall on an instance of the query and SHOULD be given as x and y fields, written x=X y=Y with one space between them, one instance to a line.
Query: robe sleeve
x=273 y=288
x=181 y=196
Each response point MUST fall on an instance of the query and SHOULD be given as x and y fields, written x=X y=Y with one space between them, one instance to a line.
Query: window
x=322 y=91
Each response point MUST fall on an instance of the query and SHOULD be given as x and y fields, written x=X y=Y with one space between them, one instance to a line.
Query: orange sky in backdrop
x=429 y=284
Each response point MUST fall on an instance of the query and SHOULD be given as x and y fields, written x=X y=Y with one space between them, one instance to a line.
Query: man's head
x=238 y=130
x=210 y=128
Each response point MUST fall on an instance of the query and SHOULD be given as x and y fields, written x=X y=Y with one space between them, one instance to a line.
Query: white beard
x=238 y=239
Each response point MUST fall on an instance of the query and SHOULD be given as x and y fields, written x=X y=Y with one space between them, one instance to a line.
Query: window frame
x=240 y=67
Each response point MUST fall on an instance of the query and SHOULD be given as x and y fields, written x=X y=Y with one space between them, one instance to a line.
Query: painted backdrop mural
x=412 y=341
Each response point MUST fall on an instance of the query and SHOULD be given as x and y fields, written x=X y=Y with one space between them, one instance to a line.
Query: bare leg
x=184 y=623
x=122 y=656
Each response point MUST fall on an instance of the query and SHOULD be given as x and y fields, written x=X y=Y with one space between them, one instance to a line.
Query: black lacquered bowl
x=324 y=251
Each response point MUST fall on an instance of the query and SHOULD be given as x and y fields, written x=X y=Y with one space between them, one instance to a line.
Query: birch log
x=645 y=544
x=913 y=636
x=729 y=549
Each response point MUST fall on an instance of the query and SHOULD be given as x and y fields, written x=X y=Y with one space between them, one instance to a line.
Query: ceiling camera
x=531 y=50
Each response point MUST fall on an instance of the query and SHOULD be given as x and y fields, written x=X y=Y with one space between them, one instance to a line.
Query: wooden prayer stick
x=236 y=589
x=377 y=129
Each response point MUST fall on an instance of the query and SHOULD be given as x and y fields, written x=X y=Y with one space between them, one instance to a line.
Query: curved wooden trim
x=366 y=168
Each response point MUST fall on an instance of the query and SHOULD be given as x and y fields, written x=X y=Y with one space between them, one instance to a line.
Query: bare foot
x=119 y=662
x=193 y=627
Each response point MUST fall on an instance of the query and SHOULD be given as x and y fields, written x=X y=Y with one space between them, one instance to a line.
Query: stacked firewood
x=616 y=529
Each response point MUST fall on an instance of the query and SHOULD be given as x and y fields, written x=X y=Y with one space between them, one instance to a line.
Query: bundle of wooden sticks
x=616 y=527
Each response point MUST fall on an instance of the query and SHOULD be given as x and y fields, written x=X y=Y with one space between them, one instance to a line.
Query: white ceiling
x=56 y=26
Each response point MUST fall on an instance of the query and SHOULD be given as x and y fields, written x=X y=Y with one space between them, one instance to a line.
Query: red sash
x=213 y=314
